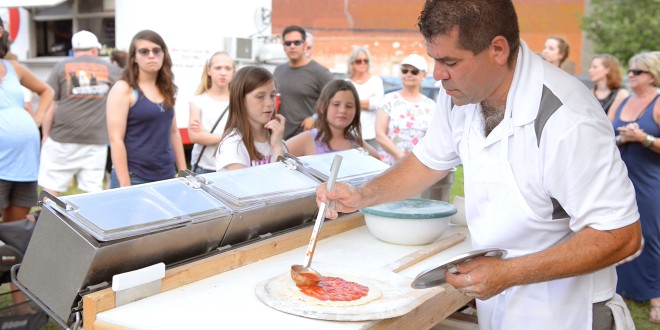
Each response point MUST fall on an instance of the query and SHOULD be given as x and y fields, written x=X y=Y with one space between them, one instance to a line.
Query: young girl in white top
x=209 y=111
x=338 y=124
x=253 y=135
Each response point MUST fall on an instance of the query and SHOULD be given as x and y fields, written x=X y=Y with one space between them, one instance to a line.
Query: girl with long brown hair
x=144 y=138
x=338 y=125
x=253 y=135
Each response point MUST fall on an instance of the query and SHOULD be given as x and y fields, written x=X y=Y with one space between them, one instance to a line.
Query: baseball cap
x=84 y=40
x=416 y=61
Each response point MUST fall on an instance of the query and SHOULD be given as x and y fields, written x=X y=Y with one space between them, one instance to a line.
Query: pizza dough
x=296 y=294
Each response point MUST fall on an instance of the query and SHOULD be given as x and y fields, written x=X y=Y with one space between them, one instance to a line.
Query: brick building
x=388 y=28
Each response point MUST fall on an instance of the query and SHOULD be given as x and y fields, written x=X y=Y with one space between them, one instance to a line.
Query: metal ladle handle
x=320 y=217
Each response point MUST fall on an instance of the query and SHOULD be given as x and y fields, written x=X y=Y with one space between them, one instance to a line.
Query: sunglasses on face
x=145 y=51
x=294 y=42
x=637 y=72
x=413 y=71
x=360 y=61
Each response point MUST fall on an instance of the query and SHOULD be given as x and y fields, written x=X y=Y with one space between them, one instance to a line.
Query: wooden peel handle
x=426 y=252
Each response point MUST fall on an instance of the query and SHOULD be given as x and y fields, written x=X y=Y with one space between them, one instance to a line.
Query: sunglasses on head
x=413 y=71
x=295 y=42
x=145 y=51
x=637 y=72
x=360 y=61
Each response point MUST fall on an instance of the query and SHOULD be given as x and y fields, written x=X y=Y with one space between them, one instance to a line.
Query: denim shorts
x=135 y=180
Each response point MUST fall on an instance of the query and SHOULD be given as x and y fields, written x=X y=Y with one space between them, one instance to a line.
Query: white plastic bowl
x=410 y=221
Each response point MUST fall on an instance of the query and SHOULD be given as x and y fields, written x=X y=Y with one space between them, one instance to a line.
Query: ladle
x=303 y=274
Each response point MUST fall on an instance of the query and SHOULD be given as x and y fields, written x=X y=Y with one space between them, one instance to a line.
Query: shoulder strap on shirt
x=194 y=167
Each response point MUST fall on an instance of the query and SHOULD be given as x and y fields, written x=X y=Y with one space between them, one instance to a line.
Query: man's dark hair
x=478 y=22
x=294 y=28
x=4 y=44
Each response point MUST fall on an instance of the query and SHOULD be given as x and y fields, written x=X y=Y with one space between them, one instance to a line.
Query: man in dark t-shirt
x=75 y=131
x=299 y=82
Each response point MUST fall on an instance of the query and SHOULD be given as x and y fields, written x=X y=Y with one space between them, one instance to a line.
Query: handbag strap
x=194 y=167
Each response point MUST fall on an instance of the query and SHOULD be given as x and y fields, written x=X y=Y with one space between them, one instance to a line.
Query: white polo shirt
x=562 y=151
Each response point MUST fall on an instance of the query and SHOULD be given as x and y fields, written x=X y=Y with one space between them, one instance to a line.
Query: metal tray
x=436 y=276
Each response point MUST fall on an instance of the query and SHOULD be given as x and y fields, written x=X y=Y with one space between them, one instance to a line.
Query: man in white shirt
x=543 y=177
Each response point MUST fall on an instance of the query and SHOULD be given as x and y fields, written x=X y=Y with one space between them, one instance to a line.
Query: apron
x=498 y=216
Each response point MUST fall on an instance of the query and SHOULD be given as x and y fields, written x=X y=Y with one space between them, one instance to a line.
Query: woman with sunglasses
x=605 y=72
x=369 y=88
x=144 y=137
x=637 y=123
x=404 y=115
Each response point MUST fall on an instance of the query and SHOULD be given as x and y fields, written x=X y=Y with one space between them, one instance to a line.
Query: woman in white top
x=253 y=135
x=370 y=90
x=404 y=115
x=208 y=111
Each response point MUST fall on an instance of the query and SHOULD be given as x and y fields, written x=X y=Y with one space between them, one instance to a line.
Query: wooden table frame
x=425 y=316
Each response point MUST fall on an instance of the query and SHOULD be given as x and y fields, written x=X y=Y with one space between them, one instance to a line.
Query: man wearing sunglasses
x=543 y=176
x=299 y=82
x=75 y=132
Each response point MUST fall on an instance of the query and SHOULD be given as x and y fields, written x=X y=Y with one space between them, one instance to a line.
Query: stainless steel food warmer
x=81 y=241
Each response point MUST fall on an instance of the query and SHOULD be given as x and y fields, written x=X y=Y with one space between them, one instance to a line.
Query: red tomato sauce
x=335 y=289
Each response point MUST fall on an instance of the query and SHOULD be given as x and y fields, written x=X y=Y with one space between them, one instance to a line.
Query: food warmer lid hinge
x=192 y=179
x=294 y=163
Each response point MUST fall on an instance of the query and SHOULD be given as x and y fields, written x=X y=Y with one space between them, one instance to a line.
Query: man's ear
x=499 y=48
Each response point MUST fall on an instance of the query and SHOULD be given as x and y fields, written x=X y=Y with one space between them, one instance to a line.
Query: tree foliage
x=623 y=28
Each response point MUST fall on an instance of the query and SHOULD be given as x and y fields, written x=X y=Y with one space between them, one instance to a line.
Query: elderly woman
x=404 y=115
x=605 y=72
x=370 y=90
x=637 y=122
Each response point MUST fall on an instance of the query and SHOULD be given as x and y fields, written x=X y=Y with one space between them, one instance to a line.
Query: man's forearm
x=589 y=250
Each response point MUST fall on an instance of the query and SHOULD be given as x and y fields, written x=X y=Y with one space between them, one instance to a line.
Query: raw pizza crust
x=294 y=292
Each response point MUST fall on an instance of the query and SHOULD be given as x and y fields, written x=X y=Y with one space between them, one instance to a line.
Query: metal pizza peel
x=435 y=276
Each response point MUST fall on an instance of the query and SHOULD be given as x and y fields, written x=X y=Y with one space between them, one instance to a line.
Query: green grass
x=457 y=188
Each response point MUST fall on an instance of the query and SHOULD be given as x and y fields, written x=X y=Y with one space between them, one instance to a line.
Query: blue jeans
x=135 y=180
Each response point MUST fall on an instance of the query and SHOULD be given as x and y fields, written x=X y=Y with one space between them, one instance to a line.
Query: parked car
x=391 y=84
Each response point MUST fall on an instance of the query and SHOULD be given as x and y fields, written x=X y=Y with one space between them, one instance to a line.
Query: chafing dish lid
x=357 y=165
x=257 y=186
x=131 y=211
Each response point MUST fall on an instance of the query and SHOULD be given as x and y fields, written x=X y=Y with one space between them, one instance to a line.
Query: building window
x=55 y=25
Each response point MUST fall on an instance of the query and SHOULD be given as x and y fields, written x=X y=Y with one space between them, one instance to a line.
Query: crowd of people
x=547 y=177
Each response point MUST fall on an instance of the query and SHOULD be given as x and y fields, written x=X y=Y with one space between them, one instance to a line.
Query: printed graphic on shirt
x=87 y=80
x=260 y=162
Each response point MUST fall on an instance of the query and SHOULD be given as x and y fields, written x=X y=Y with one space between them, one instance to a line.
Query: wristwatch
x=649 y=141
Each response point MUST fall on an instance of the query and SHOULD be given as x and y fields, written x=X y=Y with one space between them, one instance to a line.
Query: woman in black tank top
x=605 y=72
x=144 y=138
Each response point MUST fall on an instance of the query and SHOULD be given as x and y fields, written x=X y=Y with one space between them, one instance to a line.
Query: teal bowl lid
x=412 y=209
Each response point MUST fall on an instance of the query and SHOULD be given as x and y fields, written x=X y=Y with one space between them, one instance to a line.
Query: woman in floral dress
x=404 y=115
